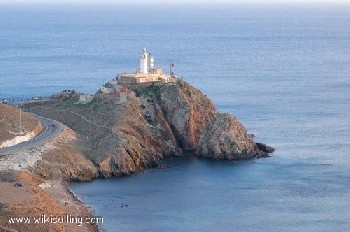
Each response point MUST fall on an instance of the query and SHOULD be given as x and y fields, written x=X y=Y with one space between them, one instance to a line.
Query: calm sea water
x=284 y=71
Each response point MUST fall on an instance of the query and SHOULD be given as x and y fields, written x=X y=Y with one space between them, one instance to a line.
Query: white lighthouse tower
x=144 y=61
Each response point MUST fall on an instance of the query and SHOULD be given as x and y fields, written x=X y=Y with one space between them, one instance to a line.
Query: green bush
x=65 y=98
x=137 y=92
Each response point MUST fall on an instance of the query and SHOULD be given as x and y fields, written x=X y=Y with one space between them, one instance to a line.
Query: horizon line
x=175 y=2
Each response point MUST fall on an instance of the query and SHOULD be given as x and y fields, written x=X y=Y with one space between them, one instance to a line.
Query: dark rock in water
x=263 y=147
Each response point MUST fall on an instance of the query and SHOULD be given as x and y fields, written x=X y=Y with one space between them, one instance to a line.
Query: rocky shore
x=44 y=172
x=105 y=138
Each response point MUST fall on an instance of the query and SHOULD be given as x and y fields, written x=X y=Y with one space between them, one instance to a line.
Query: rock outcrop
x=157 y=120
x=264 y=148
x=226 y=138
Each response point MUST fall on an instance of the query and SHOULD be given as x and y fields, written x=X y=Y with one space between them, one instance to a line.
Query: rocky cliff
x=157 y=120
x=226 y=138
x=187 y=111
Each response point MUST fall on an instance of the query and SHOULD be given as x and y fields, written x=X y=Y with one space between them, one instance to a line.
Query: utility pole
x=20 y=122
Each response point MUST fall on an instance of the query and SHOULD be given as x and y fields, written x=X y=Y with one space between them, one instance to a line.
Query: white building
x=84 y=99
x=146 y=73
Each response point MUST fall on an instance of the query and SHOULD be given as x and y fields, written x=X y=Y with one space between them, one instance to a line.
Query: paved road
x=49 y=132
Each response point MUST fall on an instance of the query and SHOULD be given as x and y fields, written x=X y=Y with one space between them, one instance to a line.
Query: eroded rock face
x=226 y=138
x=187 y=111
x=132 y=144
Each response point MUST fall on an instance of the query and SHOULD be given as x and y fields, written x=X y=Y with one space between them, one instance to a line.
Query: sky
x=172 y=1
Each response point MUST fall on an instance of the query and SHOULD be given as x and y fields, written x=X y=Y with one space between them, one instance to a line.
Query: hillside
x=10 y=123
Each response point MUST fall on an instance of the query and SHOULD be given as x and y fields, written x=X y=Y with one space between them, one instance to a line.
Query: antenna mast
x=171 y=68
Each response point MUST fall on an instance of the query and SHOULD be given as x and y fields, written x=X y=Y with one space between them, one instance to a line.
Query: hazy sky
x=174 y=1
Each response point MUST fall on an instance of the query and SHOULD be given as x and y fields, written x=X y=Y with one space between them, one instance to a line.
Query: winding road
x=51 y=129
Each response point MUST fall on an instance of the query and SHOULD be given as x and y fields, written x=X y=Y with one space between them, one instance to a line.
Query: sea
x=282 y=69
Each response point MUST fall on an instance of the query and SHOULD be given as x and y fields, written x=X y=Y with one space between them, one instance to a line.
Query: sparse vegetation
x=152 y=91
x=9 y=122
x=137 y=92
x=65 y=98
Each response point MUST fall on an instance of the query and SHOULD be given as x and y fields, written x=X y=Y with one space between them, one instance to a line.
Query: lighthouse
x=144 y=61
x=146 y=73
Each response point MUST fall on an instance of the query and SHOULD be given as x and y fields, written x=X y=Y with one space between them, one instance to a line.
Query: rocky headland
x=157 y=120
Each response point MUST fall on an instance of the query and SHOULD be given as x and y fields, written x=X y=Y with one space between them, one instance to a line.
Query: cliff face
x=187 y=112
x=226 y=138
x=133 y=144
x=157 y=120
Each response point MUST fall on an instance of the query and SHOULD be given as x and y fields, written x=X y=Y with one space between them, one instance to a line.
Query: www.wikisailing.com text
x=63 y=219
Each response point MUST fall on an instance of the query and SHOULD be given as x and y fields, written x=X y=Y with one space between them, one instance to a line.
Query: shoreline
x=106 y=137
x=40 y=195
x=50 y=199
